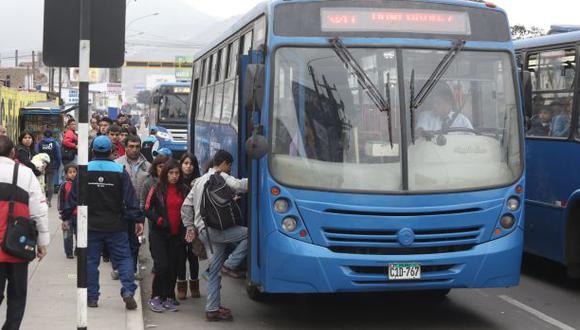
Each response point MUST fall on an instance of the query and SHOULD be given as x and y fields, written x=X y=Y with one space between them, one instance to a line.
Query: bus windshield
x=328 y=134
x=173 y=108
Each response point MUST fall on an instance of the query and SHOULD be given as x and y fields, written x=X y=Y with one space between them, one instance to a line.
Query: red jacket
x=120 y=149
x=29 y=202
x=70 y=139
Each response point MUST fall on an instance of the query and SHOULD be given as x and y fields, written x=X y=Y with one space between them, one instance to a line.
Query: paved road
x=544 y=300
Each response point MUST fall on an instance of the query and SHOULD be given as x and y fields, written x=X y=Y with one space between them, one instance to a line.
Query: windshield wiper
x=364 y=81
x=416 y=101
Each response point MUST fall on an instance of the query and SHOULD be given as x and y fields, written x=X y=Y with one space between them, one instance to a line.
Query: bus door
x=249 y=168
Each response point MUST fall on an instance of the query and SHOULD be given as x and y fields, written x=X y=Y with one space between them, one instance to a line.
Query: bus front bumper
x=294 y=266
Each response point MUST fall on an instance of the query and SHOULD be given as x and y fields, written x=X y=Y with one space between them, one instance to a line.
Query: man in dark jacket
x=50 y=146
x=111 y=203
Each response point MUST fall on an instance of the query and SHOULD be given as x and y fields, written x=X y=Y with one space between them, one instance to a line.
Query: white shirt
x=196 y=193
x=431 y=121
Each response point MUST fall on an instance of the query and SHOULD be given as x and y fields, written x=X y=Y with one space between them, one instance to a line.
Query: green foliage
x=522 y=32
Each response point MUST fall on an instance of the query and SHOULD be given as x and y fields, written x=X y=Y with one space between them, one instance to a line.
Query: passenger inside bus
x=560 y=126
x=442 y=111
x=541 y=122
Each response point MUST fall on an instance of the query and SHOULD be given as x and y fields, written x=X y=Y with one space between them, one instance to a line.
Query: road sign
x=61 y=33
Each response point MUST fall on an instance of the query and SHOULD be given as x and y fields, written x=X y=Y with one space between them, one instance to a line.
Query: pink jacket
x=70 y=139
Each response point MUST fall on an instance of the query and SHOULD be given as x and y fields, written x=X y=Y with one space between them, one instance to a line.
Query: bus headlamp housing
x=281 y=205
x=513 y=204
x=289 y=224
x=286 y=215
x=507 y=221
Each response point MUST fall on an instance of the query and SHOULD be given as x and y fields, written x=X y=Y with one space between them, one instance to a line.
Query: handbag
x=68 y=153
x=21 y=235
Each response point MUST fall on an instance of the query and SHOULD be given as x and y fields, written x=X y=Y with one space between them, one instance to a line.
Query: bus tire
x=254 y=293
x=573 y=242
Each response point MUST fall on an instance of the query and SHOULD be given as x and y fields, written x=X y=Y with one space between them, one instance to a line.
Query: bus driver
x=443 y=111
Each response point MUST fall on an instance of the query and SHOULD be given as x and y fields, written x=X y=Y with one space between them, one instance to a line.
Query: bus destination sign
x=394 y=20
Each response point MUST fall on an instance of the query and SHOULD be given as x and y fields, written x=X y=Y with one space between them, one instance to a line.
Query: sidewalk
x=52 y=293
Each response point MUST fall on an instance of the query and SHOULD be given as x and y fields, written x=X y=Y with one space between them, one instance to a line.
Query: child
x=68 y=225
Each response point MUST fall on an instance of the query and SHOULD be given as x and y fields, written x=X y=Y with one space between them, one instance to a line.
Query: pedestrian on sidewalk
x=190 y=169
x=69 y=227
x=25 y=151
x=70 y=143
x=214 y=240
x=153 y=177
x=114 y=134
x=51 y=147
x=149 y=144
x=111 y=202
x=29 y=201
x=163 y=209
x=138 y=168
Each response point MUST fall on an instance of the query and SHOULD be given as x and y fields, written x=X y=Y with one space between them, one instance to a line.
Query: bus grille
x=178 y=134
x=385 y=242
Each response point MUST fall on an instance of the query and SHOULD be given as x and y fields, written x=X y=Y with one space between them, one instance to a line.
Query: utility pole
x=83 y=157
x=60 y=86
x=16 y=59
x=33 y=70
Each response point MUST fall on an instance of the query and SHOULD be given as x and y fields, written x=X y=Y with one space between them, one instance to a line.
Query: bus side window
x=201 y=103
x=228 y=102
x=209 y=103
x=553 y=73
x=214 y=68
x=236 y=106
x=223 y=63
x=217 y=103
x=247 y=43
x=234 y=52
x=205 y=72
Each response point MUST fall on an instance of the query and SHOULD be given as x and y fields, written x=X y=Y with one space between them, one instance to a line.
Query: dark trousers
x=49 y=178
x=17 y=277
x=185 y=256
x=165 y=253
x=118 y=245
x=134 y=245
x=69 y=237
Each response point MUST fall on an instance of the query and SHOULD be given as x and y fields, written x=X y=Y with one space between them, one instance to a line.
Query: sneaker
x=130 y=302
x=92 y=303
x=222 y=314
x=169 y=305
x=155 y=305
x=115 y=275
x=232 y=272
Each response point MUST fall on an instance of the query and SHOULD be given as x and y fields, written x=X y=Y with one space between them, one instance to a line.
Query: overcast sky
x=21 y=20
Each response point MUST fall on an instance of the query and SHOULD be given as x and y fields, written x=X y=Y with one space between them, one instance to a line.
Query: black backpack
x=49 y=148
x=218 y=208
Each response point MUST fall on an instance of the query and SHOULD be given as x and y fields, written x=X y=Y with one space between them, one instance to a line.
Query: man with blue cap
x=149 y=143
x=112 y=202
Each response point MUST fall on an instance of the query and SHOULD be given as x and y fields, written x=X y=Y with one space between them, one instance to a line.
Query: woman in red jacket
x=163 y=209
x=70 y=142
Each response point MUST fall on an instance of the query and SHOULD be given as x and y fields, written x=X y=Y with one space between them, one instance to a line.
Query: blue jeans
x=118 y=245
x=219 y=242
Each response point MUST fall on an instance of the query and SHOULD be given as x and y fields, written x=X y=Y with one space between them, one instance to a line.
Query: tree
x=520 y=31
x=144 y=97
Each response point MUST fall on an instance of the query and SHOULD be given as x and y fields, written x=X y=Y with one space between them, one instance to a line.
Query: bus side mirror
x=527 y=93
x=254 y=87
x=257 y=146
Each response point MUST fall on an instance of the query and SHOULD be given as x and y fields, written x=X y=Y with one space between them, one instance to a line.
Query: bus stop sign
x=62 y=30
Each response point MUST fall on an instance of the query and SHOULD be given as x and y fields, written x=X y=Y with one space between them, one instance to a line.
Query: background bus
x=168 y=112
x=356 y=193
x=553 y=149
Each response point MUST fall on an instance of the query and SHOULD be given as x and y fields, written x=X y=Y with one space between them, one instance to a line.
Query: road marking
x=536 y=313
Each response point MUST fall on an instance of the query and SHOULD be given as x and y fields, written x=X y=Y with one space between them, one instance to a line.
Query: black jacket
x=24 y=156
x=156 y=209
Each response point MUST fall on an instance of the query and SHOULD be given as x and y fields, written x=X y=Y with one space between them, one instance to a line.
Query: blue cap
x=162 y=151
x=102 y=144
x=153 y=128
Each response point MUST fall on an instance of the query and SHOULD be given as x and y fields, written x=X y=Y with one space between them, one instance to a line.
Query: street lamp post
x=138 y=19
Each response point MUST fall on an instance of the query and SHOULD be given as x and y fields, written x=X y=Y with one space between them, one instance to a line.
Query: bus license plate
x=404 y=272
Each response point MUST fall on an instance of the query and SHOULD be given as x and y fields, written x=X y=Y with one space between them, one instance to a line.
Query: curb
x=135 y=318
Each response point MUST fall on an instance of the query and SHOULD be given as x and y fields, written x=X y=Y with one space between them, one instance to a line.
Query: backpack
x=218 y=208
x=49 y=148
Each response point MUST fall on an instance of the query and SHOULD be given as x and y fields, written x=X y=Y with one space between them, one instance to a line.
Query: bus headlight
x=281 y=205
x=513 y=204
x=289 y=224
x=507 y=221
x=164 y=135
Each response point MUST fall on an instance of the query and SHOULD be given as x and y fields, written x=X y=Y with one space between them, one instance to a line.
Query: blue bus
x=168 y=112
x=383 y=142
x=553 y=148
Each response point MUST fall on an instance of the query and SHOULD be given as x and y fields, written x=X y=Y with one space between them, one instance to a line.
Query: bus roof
x=267 y=5
x=45 y=107
x=554 y=39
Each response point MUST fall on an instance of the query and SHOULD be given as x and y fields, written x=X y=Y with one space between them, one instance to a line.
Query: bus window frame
x=403 y=107
x=214 y=118
x=201 y=106
x=573 y=134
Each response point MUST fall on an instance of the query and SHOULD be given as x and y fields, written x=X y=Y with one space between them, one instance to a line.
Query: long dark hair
x=23 y=135
x=161 y=159
x=196 y=174
x=164 y=181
